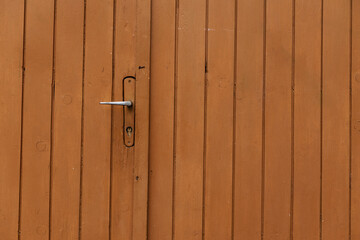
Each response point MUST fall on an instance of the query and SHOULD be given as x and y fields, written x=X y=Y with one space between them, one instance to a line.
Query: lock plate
x=129 y=112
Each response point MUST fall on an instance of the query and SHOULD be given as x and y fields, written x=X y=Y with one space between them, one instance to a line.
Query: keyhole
x=129 y=131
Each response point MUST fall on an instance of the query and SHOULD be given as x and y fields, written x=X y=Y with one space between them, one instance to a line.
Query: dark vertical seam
x=350 y=115
x=22 y=120
x=321 y=112
x=112 y=116
x=205 y=114
x=82 y=123
x=149 y=120
x=234 y=121
x=149 y=137
x=263 y=125
x=175 y=116
x=292 y=123
x=52 y=117
x=133 y=171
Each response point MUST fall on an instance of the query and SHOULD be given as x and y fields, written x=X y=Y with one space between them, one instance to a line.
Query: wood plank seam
x=234 y=118
x=263 y=173
x=205 y=114
x=292 y=123
x=22 y=121
x=52 y=118
x=82 y=122
x=350 y=110
x=176 y=30
x=321 y=119
x=112 y=117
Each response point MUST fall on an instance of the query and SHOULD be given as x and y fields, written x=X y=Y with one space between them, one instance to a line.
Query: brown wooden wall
x=254 y=120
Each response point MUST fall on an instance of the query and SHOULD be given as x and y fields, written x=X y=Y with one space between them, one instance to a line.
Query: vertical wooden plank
x=67 y=105
x=38 y=62
x=97 y=120
x=336 y=78
x=161 y=119
x=11 y=48
x=189 y=122
x=219 y=120
x=278 y=84
x=307 y=120
x=142 y=114
x=355 y=130
x=249 y=118
x=122 y=174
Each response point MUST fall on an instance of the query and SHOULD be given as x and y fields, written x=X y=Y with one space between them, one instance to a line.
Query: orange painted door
x=66 y=171
x=244 y=124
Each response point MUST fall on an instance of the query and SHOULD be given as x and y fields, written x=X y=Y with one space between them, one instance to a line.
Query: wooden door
x=246 y=120
x=65 y=172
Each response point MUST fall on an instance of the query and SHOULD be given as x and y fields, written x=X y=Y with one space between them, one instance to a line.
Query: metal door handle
x=128 y=124
x=121 y=103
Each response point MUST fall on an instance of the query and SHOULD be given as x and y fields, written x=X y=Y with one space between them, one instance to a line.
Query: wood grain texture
x=355 y=120
x=219 y=120
x=142 y=114
x=97 y=120
x=249 y=119
x=307 y=120
x=189 y=139
x=252 y=109
x=66 y=150
x=38 y=61
x=335 y=143
x=278 y=117
x=122 y=157
x=11 y=60
x=162 y=119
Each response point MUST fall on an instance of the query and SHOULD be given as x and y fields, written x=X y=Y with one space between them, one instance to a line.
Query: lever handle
x=121 y=103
